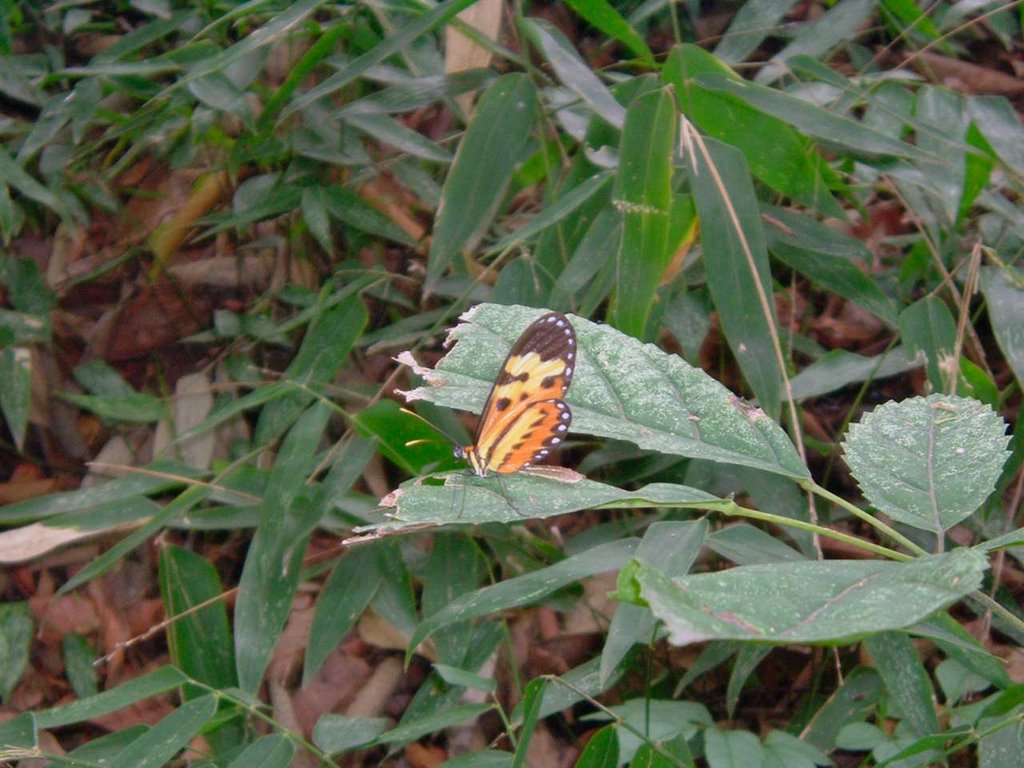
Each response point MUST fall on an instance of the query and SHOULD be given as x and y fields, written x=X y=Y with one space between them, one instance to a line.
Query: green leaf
x=574 y=73
x=16 y=393
x=736 y=261
x=808 y=602
x=273 y=564
x=752 y=23
x=527 y=589
x=828 y=127
x=602 y=750
x=392 y=430
x=343 y=599
x=454 y=569
x=389 y=131
x=324 y=349
x=15 y=638
x=603 y=16
x=776 y=153
x=338 y=733
x=784 y=750
x=905 y=679
x=438 y=721
x=1004 y=297
x=470 y=500
x=530 y=706
x=137 y=407
x=829 y=258
x=78 y=665
x=199 y=640
x=622 y=389
x=732 y=749
x=928 y=462
x=838 y=368
x=151 y=684
x=163 y=741
x=659 y=721
x=671 y=547
x=273 y=751
x=835 y=27
x=855 y=700
x=496 y=140
x=643 y=193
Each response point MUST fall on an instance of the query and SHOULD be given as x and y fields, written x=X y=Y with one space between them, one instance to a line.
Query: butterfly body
x=525 y=416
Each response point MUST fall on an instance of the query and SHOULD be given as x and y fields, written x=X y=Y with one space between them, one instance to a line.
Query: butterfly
x=526 y=417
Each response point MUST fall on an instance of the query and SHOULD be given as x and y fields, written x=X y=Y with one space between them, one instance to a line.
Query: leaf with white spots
x=928 y=462
x=622 y=389
x=834 y=602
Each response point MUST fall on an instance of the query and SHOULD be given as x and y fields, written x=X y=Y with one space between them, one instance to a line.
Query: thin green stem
x=732 y=509
x=859 y=513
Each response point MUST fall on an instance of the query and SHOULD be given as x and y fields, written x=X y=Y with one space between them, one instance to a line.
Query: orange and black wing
x=524 y=415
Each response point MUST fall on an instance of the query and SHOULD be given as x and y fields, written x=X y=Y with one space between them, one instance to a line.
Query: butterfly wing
x=536 y=430
x=538 y=370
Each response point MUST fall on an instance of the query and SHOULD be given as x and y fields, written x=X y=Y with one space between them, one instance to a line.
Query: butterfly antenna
x=433 y=426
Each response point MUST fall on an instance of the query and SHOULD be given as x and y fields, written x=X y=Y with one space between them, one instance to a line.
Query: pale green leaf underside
x=622 y=389
x=470 y=500
x=929 y=461
x=809 y=602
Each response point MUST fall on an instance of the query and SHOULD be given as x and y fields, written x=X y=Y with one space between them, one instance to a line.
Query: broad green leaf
x=603 y=16
x=151 y=684
x=622 y=389
x=658 y=720
x=352 y=210
x=835 y=27
x=199 y=640
x=746 y=545
x=808 y=602
x=855 y=700
x=16 y=734
x=1004 y=296
x=555 y=212
x=784 y=750
x=78 y=656
x=273 y=564
x=528 y=588
x=470 y=500
x=406 y=732
x=574 y=73
x=16 y=393
x=163 y=741
x=392 y=430
x=643 y=194
x=829 y=258
x=393 y=43
x=732 y=749
x=736 y=262
x=957 y=643
x=324 y=349
x=814 y=121
x=15 y=637
x=389 y=131
x=998 y=122
x=137 y=407
x=838 y=368
x=463 y=679
x=1002 y=747
x=343 y=599
x=752 y=23
x=496 y=140
x=747 y=660
x=490 y=758
x=928 y=462
x=671 y=547
x=18 y=178
x=455 y=568
x=777 y=155
x=339 y=733
x=602 y=750
x=273 y=751
x=906 y=680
